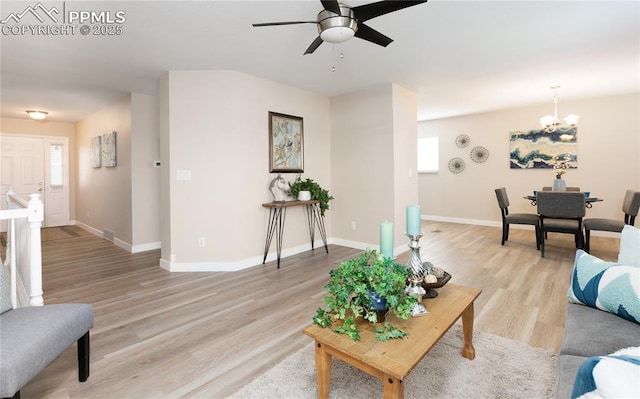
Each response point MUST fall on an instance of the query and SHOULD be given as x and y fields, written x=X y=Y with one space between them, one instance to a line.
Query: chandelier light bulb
x=551 y=123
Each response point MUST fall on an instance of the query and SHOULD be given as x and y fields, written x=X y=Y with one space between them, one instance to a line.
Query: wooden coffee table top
x=397 y=357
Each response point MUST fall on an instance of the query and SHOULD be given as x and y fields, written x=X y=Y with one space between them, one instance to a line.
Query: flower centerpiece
x=356 y=286
x=560 y=166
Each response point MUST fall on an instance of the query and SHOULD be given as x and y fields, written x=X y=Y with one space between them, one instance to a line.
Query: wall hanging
x=286 y=145
x=96 y=152
x=456 y=165
x=479 y=154
x=536 y=149
x=463 y=140
x=109 y=150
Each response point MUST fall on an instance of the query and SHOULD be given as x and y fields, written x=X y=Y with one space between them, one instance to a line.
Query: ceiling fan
x=338 y=22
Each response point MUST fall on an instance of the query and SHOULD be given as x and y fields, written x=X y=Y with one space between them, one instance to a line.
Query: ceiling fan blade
x=314 y=45
x=331 y=5
x=372 y=35
x=367 y=11
x=284 y=23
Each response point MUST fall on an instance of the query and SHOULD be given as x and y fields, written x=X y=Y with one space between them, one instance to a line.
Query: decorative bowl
x=430 y=287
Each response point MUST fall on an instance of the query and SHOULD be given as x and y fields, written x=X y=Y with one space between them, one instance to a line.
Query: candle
x=413 y=220
x=386 y=239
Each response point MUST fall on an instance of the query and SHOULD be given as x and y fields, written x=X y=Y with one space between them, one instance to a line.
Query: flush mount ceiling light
x=37 y=115
x=551 y=122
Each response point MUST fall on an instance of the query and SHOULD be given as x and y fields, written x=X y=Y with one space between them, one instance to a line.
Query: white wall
x=608 y=159
x=373 y=136
x=145 y=178
x=215 y=125
x=104 y=194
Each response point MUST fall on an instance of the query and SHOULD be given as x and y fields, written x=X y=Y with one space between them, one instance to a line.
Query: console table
x=277 y=215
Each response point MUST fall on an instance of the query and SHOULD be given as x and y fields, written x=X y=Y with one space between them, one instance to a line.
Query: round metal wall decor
x=456 y=165
x=463 y=140
x=479 y=154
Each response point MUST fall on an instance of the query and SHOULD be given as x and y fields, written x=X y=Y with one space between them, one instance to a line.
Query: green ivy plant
x=317 y=192
x=348 y=295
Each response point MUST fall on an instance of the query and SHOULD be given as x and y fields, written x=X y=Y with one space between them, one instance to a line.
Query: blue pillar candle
x=386 y=239
x=413 y=220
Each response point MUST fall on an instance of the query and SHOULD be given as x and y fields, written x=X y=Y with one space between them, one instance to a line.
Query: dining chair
x=630 y=206
x=515 y=218
x=561 y=212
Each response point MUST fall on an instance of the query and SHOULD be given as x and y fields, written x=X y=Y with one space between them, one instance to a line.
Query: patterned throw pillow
x=607 y=286
x=630 y=246
x=612 y=376
x=5 y=291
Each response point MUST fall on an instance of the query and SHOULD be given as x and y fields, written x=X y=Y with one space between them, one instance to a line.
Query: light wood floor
x=205 y=335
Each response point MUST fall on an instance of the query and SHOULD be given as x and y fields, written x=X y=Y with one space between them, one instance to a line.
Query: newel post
x=35 y=218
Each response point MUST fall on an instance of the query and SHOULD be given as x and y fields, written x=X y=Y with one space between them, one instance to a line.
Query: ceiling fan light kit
x=334 y=28
x=338 y=22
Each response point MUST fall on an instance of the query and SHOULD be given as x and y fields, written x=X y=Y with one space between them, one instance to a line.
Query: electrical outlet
x=353 y=225
x=201 y=242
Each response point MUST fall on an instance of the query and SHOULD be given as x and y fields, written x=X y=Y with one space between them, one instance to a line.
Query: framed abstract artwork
x=537 y=149
x=96 y=152
x=286 y=143
x=109 y=158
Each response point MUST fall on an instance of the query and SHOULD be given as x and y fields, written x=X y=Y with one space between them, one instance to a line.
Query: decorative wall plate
x=463 y=140
x=479 y=154
x=456 y=165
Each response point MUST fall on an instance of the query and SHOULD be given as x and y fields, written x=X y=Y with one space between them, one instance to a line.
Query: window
x=428 y=155
x=55 y=166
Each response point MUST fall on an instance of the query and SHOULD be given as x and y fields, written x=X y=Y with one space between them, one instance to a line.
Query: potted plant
x=356 y=286
x=317 y=192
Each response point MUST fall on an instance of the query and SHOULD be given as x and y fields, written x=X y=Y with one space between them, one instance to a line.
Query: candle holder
x=415 y=289
x=417 y=275
x=415 y=263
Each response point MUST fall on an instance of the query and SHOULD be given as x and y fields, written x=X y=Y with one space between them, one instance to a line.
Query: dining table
x=588 y=200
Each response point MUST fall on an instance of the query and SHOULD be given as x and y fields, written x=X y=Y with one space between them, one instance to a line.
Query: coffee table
x=393 y=360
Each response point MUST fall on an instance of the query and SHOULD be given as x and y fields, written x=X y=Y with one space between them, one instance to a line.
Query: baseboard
x=477 y=222
x=118 y=242
x=238 y=265
x=491 y=223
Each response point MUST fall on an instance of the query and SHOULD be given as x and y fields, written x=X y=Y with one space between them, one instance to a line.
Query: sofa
x=599 y=324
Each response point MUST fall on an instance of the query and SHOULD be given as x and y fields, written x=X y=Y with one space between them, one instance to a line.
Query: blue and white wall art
x=536 y=149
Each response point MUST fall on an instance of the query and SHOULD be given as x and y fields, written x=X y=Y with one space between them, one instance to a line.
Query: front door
x=36 y=165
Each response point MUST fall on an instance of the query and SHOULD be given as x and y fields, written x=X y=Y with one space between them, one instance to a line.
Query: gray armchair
x=630 y=207
x=514 y=218
x=561 y=212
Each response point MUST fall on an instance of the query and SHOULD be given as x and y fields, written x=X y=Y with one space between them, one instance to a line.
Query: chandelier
x=551 y=122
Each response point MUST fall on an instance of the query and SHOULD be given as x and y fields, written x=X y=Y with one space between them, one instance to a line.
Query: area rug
x=502 y=369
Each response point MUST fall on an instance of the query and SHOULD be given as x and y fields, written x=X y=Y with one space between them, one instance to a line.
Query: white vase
x=304 y=195
x=559 y=185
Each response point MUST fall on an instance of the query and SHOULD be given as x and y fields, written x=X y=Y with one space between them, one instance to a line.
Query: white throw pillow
x=630 y=246
x=613 y=376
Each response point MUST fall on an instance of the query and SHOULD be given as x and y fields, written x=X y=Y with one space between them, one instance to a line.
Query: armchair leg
x=83 y=357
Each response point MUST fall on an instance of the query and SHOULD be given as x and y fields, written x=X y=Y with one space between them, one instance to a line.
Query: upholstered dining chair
x=561 y=212
x=630 y=206
x=514 y=218
x=549 y=188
